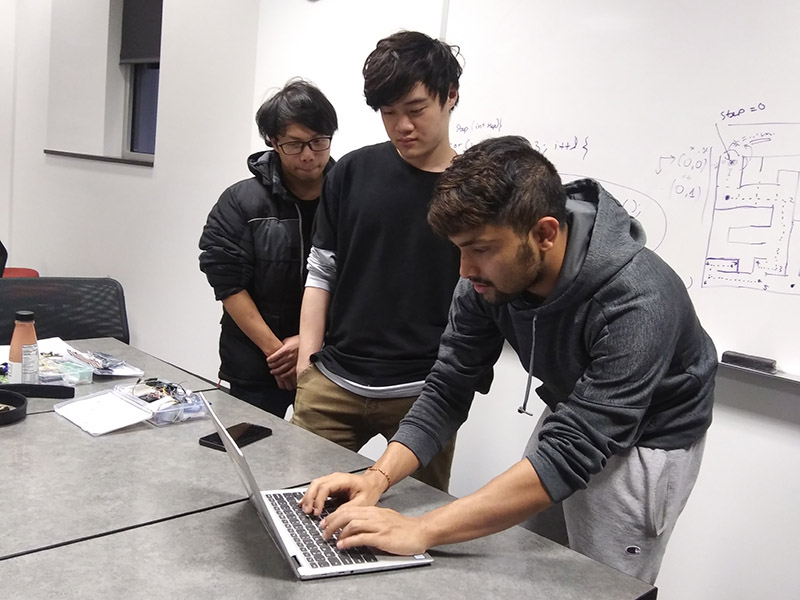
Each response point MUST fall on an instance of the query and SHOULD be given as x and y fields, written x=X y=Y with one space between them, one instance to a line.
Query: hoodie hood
x=602 y=239
x=266 y=167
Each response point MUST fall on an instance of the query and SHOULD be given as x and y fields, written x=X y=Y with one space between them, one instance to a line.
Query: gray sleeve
x=469 y=348
x=321 y=269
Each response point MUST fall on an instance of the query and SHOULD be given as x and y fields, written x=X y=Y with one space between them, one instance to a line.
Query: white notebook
x=103 y=412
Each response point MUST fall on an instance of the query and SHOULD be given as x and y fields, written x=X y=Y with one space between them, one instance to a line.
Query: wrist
x=271 y=348
x=427 y=530
x=380 y=476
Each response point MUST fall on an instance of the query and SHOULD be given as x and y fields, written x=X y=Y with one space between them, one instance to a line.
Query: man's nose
x=307 y=153
x=466 y=268
x=404 y=124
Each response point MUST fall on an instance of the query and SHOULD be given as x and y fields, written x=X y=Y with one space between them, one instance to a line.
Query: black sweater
x=395 y=277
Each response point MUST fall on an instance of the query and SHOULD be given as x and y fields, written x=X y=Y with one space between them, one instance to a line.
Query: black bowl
x=18 y=404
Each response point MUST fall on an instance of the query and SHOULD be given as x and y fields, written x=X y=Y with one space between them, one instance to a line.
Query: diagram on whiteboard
x=742 y=191
x=754 y=239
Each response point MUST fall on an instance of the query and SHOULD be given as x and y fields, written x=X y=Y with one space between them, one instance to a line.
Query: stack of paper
x=103 y=412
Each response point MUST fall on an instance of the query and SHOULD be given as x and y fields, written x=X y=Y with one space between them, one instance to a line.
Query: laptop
x=298 y=535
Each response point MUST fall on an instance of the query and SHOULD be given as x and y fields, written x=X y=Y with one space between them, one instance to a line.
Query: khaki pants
x=350 y=420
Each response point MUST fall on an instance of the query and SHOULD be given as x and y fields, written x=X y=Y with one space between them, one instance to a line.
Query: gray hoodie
x=623 y=359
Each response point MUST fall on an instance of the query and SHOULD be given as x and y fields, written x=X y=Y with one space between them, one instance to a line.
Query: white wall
x=138 y=224
x=738 y=536
x=8 y=50
x=78 y=65
x=141 y=225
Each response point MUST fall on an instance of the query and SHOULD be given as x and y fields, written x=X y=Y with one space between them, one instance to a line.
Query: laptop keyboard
x=306 y=533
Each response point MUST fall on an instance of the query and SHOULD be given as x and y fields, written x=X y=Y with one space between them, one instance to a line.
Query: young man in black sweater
x=380 y=281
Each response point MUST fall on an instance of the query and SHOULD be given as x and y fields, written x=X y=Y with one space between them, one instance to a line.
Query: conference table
x=146 y=512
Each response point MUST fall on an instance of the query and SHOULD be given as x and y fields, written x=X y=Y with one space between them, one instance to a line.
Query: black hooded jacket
x=256 y=239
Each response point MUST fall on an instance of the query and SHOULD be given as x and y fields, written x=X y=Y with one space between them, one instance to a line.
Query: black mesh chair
x=72 y=308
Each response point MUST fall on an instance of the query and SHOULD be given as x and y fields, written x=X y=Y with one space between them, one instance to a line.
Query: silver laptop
x=298 y=535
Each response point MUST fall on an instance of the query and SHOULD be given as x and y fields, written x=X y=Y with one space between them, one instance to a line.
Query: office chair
x=13 y=271
x=20 y=272
x=72 y=308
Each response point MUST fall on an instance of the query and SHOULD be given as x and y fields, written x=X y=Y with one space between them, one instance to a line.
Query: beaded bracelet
x=382 y=472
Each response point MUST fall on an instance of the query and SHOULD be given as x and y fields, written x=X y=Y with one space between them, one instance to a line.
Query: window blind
x=141 y=31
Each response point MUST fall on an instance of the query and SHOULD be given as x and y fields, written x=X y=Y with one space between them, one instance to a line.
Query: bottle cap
x=25 y=316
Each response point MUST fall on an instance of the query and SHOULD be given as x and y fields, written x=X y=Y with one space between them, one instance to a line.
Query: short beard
x=534 y=274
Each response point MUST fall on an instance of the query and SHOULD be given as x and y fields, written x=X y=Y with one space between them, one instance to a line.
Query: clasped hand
x=282 y=363
x=358 y=522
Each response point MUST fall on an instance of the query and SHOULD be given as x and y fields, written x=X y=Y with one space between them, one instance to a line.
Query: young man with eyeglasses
x=380 y=282
x=256 y=241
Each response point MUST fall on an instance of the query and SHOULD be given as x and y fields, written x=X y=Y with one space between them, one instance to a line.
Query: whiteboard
x=687 y=112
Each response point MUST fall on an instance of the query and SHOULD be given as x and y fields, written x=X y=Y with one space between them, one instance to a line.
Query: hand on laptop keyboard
x=307 y=535
x=358 y=490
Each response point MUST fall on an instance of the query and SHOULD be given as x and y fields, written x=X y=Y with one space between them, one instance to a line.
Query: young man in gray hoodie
x=562 y=274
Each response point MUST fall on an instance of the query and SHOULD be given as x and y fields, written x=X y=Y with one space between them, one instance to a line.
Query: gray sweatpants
x=626 y=515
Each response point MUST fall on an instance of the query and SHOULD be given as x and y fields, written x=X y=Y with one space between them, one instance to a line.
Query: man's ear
x=452 y=97
x=545 y=232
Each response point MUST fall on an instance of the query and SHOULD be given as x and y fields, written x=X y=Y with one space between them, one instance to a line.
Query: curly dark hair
x=500 y=181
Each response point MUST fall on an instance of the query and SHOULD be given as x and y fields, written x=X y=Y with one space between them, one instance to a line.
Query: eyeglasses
x=317 y=144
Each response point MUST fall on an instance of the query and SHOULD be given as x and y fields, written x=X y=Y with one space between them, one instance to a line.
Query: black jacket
x=254 y=240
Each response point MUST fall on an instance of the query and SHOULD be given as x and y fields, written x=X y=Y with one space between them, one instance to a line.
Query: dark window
x=144 y=107
x=141 y=50
x=141 y=31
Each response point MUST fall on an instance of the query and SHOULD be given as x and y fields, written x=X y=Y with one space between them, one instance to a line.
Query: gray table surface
x=152 y=367
x=64 y=483
x=226 y=553
x=146 y=512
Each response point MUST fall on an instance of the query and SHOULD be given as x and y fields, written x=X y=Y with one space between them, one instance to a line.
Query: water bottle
x=23 y=353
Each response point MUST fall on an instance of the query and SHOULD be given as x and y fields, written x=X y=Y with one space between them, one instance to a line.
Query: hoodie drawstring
x=524 y=408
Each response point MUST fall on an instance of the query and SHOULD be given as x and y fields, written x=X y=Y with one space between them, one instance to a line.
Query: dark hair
x=500 y=181
x=404 y=59
x=298 y=102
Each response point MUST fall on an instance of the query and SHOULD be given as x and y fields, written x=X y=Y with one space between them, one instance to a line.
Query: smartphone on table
x=242 y=434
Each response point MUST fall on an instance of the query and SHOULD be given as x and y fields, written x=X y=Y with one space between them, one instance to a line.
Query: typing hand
x=380 y=528
x=360 y=490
